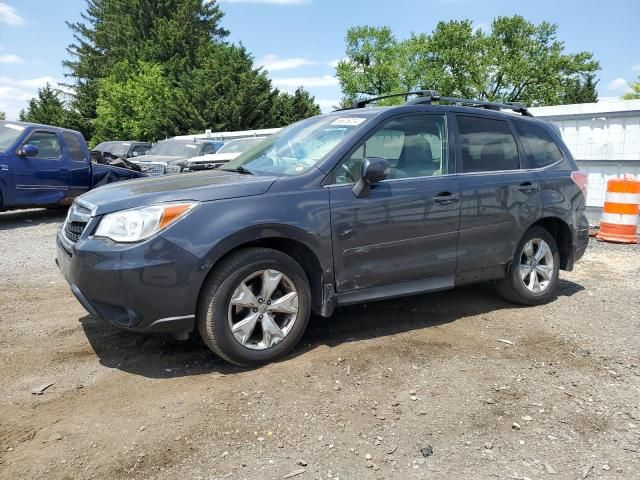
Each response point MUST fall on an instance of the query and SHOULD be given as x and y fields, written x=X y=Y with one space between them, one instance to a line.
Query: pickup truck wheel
x=533 y=276
x=254 y=307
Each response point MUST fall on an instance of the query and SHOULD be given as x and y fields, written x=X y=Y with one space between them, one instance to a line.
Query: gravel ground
x=454 y=384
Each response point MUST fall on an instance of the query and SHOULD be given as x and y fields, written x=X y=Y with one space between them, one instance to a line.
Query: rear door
x=43 y=179
x=499 y=199
x=405 y=230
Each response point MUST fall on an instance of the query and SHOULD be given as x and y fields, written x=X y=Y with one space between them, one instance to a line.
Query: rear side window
x=487 y=145
x=539 y=147
x=47 y=143
x=73 y=146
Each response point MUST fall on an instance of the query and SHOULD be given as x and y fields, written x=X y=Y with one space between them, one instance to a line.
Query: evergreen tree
x=46 y=108
x=211 y=83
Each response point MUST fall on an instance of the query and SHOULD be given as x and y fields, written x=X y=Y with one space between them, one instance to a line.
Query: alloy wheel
x=263 y=309
x=536 y=265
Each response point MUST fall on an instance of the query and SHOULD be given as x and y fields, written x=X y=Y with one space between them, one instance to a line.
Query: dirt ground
x=483 y=388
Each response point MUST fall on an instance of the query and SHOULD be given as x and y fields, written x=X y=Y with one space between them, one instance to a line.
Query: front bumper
x=148 y=287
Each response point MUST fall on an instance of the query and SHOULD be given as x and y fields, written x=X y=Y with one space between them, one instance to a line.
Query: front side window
x=47 y=143
x=539 y=147
x=414 y=146
x=487 y=145
x=73 y=146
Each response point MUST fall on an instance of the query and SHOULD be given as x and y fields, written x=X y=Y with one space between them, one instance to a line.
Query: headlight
x=140 y=223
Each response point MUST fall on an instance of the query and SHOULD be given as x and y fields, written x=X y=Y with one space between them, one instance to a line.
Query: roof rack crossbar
x=426 y=97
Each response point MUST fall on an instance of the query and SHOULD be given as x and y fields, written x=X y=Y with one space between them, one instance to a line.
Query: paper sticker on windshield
x=348 y=121
x=192 y=146
x=14 y=126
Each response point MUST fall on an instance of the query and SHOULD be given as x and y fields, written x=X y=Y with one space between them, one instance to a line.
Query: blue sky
x=299 y=41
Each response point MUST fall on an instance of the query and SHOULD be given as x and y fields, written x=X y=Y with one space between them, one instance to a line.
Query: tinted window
x=487 y=145
x=74 y=146
x=140 y=149
x=47 y=143
x=539 y=147
x=414 y=146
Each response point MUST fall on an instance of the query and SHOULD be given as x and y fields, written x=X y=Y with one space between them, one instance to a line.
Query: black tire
x=513 y=289
x=215 y=298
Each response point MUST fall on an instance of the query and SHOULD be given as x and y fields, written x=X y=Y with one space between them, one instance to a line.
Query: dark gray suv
x=357 y=205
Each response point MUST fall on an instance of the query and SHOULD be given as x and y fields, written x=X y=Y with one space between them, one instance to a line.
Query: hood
x=202 y=187
x=214 y=157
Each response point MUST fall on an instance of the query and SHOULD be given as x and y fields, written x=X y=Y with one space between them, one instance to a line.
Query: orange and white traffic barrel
x=619 y=222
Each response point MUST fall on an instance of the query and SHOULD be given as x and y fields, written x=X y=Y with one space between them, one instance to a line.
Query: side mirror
x=28 y=150
x=373 y=170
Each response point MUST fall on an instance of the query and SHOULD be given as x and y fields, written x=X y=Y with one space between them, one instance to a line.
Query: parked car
x=123 y=149
x=175 y=153
x=229 y=151
x=44 y=166
x=343 y=208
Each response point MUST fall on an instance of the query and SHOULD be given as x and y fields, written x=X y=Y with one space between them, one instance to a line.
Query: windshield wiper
x=239 y=169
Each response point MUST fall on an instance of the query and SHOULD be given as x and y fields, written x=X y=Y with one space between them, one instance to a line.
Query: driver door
x=406 y=229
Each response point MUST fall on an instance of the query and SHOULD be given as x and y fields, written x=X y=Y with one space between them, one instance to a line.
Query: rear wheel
x=533 y=276
x=255 y=306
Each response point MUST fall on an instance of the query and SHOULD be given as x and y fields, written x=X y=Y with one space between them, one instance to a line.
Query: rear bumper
x=149 y=287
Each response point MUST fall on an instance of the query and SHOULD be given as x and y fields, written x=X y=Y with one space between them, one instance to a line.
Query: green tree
x=3 y=116
x=47 y=108
x=516 y=61
x=134 y=102
x=171 y=32
x=213 y=84
x=289 y=108
x=578 y=90
x=634 y=94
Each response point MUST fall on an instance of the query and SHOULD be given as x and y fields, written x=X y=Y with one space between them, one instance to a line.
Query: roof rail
x=429 y=96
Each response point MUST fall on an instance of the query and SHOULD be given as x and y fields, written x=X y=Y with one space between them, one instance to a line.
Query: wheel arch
x=288 y=240
x=561 y=233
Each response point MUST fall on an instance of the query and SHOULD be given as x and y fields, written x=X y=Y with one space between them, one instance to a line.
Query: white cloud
x=295 y=82
x=334 y=63
x=618 y=84
x=15 y=93
x=10 y=15
x=10 y=58
x=274 y=63
x=272 y=2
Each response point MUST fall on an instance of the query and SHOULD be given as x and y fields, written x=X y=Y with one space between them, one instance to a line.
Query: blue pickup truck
x=44 y=166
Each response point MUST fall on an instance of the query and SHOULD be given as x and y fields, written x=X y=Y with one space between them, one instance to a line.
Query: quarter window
x=74 y=146
x=47 y=143
x=414 y=146
x=487 y=145
x=539 y=147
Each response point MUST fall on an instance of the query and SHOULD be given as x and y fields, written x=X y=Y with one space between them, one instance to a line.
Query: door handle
x=527 y=187
x=445 y=198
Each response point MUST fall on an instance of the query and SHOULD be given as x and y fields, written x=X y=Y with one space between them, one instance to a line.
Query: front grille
x=73 y=230
x=153 y=169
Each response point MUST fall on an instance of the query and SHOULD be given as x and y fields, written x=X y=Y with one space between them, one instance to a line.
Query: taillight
x=580 y=179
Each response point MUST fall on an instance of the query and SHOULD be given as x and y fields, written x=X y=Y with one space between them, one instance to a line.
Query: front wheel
x=255 y=306
x=533 y=276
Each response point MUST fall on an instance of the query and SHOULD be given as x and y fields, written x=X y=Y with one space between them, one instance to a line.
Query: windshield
x=114 y=148
x=240 y=145
x=299 y=147
x=9 y=133
x=175 y=149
